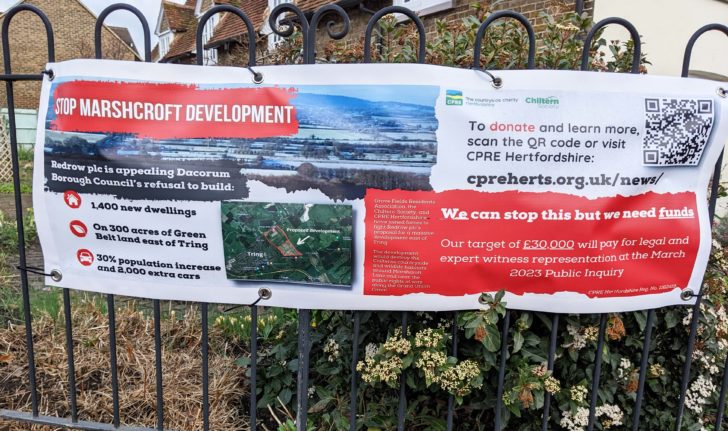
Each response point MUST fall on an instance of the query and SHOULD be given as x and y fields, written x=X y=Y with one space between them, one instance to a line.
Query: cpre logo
x=85 y=257
x=72 y=199
x=78 y=228
x=453 y=97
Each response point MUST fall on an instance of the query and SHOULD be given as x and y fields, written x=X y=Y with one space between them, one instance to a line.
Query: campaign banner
x=376 y=186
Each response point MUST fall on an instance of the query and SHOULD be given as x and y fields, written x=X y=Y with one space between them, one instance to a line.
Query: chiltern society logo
x=544 y=102
x=453 y=97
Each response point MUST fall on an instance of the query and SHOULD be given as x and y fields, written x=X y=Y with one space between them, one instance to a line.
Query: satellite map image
x=297 y=243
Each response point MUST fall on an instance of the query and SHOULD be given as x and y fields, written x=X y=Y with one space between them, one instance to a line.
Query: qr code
x=676 y=131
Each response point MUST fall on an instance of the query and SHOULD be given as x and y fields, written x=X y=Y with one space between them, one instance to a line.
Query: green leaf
x=499 y=296
x=671 y=319
x=517 y=341
x=243 y=362
x=491 y=341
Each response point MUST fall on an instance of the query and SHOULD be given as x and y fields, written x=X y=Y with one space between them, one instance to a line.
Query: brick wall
x=73 y=28
x=531 y=9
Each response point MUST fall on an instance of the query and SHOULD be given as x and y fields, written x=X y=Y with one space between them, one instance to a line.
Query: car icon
x=85 y=257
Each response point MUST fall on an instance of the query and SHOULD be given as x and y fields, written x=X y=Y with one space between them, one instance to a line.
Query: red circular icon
x=85 y=257
x=78 y=228
x=72 y=199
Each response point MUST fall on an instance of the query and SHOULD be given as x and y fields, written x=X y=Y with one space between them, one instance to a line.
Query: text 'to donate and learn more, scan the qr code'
x=676 y=131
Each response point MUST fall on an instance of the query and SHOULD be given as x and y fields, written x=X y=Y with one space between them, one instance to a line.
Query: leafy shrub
x=430 y=368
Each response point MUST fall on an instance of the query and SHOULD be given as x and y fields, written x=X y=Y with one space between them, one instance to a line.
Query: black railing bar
x=422 y=48
x=714 y=188
x=142 y=20
x=69 y=355
x=205 y=339
x=502 y=371
x=336 y=35
x=695 y=320
x=253 y=367
x=643 y=369
x=499 y=15
x=289 y=8
x=66 y=423
x=112 y=358
x=402 y=406
x=110 y=302
x=634 y=34
x=304 y=351
x=711 y=214
x=454 y=352
x=21 y=245
x=4 y=34
x=158 y=364
x=597 y=374
x=21 y=77
x=550 y=366
x=354 y=375
x=219 y=9
x=721 y=399
x=579 y=8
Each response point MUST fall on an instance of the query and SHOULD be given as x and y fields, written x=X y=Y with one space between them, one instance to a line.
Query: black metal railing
x=286 y=14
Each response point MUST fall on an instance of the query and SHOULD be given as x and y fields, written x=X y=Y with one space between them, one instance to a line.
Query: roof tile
x=231 y=27
x=179 y=16
x=313 y=5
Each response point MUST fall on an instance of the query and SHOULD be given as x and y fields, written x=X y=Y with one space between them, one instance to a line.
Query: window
x=425 y=7
x=164 y=41
x=209 y=55
x=274 y=39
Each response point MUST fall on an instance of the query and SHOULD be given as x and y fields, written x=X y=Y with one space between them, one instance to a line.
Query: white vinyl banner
x=376 y=186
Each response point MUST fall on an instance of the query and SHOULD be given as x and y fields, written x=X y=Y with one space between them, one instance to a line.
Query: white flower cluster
x=457 y=380
x=625 y=369
x=591 y=333
x=610 y=416
x=397 y=344
x=332 y=349
x=429 y=362
x=539 y=370
x=386 y=370
x=576 y=421
x=429 y=338
x=552 y=385
x=578 y=340
x=370 y=350
x=657 y=370
x=578 y=393
x=613 y=415
x=698 y=394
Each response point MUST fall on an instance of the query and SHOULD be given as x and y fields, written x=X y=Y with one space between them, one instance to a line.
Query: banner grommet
x=56 y=275
x=50 y=73
x=687 y=294
x=264 y=293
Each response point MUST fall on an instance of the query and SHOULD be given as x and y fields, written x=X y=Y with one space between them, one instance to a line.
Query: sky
x=150 y=9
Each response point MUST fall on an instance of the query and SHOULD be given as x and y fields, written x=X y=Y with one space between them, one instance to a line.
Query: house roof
x=182 y=22
x=179 y=16
x=313 y=5
x=155 y=53
x=182 y=45
x=231 y=27
x=125 y=36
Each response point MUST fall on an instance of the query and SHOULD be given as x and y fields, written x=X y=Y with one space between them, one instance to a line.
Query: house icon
x=72 y=199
